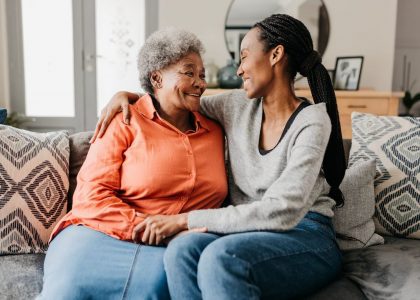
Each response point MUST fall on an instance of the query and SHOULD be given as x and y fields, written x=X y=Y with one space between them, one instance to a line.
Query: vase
x=227 y=76
x=3 y=115
x=211 y=74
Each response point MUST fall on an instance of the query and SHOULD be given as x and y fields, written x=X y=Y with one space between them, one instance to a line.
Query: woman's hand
x=119 y=102
x=159 y=227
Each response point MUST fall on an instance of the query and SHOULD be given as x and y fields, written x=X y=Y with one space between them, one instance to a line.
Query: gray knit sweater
x=272 y=191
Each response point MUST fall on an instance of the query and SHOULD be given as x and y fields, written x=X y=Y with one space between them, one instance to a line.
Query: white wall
x=367 y=28
x=358 y=27
x=407 y=43
x=206 y=18
x=4 y=78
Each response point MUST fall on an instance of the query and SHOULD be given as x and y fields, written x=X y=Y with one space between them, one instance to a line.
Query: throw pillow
x=394 y=142
x=353 y=222
x=33 y=187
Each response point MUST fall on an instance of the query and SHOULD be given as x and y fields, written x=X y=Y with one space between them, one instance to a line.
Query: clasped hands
x=161 y=229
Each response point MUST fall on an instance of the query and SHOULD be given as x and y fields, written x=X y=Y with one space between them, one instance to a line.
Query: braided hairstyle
x=292 y=34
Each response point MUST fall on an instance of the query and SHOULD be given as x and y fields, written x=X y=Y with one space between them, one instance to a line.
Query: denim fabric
x=82 y=263
x=254 y=265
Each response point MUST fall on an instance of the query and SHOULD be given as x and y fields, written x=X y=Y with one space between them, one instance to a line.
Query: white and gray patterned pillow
x=33 y=187
x=353 y=222
x=394 y=142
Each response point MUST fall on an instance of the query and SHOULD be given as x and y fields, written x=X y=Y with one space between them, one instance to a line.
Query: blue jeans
x=82 y=263
x=254 y=265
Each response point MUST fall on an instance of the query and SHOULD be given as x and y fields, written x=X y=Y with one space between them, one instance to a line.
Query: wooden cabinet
x=366 y=101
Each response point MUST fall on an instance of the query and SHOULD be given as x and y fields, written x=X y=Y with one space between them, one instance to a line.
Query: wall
x=358 y=27
x=4 y=78
x=206 y=18
x=367 y=28
x=407 y=43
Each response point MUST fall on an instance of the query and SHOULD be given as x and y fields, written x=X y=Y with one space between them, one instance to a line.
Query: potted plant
x=410 y=101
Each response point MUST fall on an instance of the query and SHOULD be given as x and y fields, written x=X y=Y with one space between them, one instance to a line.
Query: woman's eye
x=190 y=74
x=203 y=77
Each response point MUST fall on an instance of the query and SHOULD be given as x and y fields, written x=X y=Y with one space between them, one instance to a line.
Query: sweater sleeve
x=96 y=198
x=215 y=106
x=286 y=201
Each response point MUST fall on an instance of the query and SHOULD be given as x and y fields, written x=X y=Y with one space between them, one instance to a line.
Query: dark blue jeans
x=254 y=265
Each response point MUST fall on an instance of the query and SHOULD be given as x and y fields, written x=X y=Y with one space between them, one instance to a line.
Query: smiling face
x=181 y=84
x=256 y=67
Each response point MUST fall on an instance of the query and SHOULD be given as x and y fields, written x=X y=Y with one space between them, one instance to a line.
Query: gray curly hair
x=163 y=48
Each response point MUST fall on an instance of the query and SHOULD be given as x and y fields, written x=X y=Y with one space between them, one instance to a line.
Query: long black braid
x=292 y=34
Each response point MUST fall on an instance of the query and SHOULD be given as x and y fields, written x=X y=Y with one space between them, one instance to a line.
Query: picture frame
x=348 y=70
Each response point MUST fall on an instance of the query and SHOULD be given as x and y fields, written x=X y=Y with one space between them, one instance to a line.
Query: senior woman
x=169 y=161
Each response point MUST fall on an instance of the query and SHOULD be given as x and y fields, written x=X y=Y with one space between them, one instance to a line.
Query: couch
x=376 y=272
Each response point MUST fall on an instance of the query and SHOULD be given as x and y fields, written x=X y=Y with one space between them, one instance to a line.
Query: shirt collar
x=200 y=121
x=145 y=106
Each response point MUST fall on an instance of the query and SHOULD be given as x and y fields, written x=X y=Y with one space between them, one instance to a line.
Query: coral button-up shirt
x=149 y=167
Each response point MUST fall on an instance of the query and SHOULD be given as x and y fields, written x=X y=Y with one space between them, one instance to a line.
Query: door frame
x=84 y=41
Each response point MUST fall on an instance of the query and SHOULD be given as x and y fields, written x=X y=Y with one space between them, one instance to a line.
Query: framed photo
x=347 y=72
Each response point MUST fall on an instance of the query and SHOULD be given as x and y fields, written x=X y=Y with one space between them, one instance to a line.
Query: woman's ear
x=277 y=53
x=156 y=79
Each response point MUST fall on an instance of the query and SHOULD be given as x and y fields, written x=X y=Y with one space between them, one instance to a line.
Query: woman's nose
x=200 y=83
x=239 y=71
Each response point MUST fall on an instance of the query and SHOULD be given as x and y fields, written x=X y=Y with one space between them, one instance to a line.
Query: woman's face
x=183 y=83
x=255 y=68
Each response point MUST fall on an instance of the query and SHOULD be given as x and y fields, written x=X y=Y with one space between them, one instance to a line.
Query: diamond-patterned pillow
x=394 y=142
x=33 y=187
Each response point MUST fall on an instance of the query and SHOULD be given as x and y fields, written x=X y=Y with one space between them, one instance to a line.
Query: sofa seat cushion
x=341 y=289
x=21 y=276
x=389 y=271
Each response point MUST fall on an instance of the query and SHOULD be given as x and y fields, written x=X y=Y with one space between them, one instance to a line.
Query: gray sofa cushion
x=353 y=222
x=341 y=289
x=389 y=271
x=21 y=276
x=79 y=147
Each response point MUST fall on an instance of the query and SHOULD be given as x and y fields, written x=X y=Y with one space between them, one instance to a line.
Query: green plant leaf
x=407 y=99
x=416 y=97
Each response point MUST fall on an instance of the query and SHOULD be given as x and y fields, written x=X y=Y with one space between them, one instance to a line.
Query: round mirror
x=243 y=14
